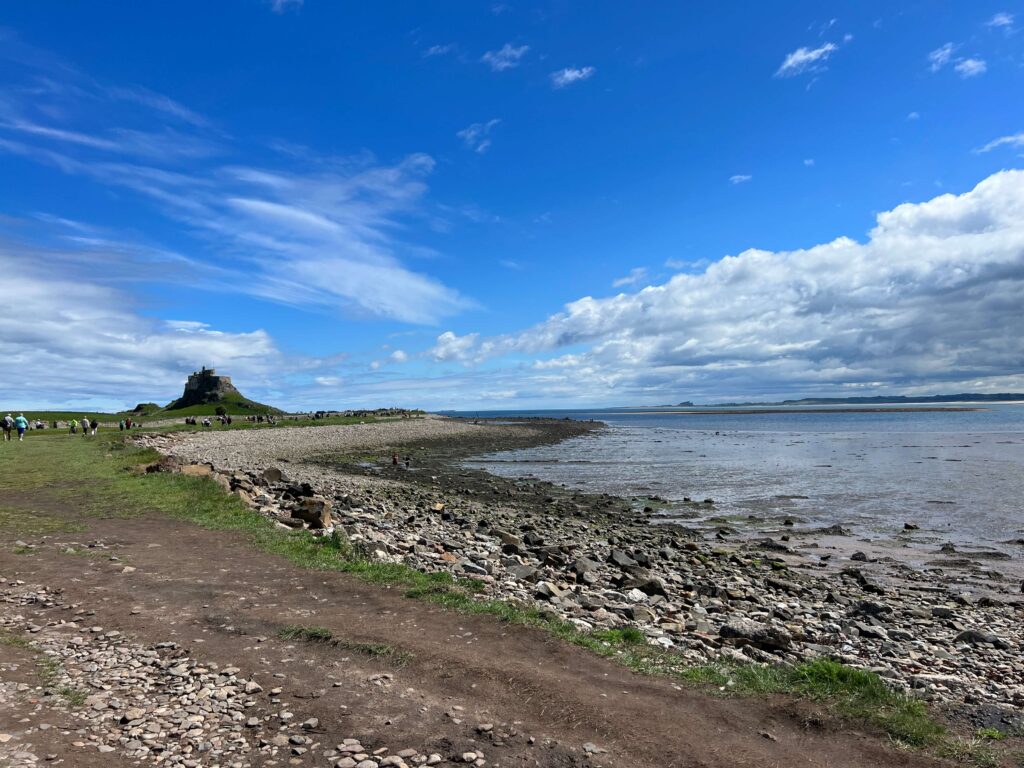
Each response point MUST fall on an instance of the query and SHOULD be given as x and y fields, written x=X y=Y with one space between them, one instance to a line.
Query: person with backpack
x=21 y=423
x=8 y=425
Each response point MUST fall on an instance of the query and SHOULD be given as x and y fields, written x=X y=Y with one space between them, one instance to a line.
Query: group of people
x=88 y=426
x=11 y=423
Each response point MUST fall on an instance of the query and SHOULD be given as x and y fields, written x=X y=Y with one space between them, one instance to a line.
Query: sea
x=957 y=474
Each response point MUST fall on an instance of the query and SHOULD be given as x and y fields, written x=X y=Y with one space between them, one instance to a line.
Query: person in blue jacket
x=21 y=423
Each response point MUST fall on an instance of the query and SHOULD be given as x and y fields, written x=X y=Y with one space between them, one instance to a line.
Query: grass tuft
x=314 y=634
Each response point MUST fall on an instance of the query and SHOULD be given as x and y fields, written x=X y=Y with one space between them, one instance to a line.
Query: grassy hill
x=236 y=405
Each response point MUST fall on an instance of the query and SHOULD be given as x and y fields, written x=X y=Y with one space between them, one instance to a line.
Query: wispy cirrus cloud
x=804 y=60
x=282 y=6
x=323 y=235
x=563 y=78
x=966 y=67
x=1013 y=140
x=1001 y=20
x=439 y=50
x=970 y=67
x=636 y=275
x=941 y=56
x=740 y=178
x=477 y=136
x=506 y=57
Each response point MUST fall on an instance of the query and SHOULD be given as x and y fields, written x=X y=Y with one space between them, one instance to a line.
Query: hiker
x=128 y=423
x=73 y=426
x=408 y=461
x=394 y=459
x=85 y=427
x=21 y=424
x=120 y=425
x=8 y=425
x=95 y=425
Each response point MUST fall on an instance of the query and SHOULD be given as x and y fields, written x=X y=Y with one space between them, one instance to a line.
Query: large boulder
x=314 y=511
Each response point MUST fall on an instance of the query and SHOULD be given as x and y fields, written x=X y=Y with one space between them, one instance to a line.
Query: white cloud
x=77 y=342
x=740 y=178
x=478 y=135
x=1015 y=140
x=809 y=162
x=399 y=356
x=1001 y=19
x=930 y=300
x=280 y=6
x=805 y=60
x=913 y=116
x=507 y=57
x=970 y=67
x=941 y=56
x=636 y=275
x=569 y=75
x=439 y=50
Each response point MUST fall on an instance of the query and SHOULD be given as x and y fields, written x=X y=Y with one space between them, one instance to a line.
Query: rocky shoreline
x=598 y=562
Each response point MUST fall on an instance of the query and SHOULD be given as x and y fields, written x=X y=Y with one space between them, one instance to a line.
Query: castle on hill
x=205 y=386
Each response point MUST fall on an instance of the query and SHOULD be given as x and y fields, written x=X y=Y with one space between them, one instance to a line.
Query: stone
x=759 y=635
x=272 y=475
x=314 y=510
x=621 y=559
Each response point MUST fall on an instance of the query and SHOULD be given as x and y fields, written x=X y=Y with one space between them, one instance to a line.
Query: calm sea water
x=959 y=475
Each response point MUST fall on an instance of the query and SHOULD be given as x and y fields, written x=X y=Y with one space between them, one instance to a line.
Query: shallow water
x=959 y=475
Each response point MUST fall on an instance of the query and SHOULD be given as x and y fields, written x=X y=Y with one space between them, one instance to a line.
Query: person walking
x=8 y=425
x=95 y=424
x=21 y=423
x=85 y=426
x=120 y=425
x=73 y=426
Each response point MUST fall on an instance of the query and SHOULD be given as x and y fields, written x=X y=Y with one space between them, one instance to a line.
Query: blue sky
x=510 y=204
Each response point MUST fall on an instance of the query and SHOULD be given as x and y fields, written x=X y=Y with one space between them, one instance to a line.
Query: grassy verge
x=96 y=470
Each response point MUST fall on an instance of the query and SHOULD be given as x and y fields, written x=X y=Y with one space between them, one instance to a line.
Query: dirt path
x=440 y=683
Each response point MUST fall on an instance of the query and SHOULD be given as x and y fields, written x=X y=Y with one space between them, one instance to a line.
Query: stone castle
x=205 y=386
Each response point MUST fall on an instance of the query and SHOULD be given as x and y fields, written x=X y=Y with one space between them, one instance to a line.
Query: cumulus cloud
x=79 y=342
x=566 y=77
x=930 y=300
x=805 y=60
x=477 y=136
x=970 y=67
x=506 y=57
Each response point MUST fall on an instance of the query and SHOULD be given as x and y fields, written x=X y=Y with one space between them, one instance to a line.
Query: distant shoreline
x=756 y=411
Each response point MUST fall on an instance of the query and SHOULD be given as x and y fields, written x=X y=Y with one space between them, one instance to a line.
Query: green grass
x=974 y=752
x=15 y=641
x=314 y=634
x=97 y=469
